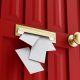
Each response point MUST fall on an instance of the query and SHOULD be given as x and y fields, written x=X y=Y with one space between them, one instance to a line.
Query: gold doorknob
x=74 y=40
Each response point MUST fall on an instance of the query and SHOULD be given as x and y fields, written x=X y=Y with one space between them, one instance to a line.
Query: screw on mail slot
x=20 y=29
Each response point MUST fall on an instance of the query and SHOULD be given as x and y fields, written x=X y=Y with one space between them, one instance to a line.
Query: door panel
x=35 y=13
x=12 y=10
x=73 y=26
x=11 y=67
x=58 y=60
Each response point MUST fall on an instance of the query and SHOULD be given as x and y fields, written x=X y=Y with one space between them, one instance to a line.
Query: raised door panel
x=12 y=10
x=11 y=67
x=58 y=60
x=73 y=26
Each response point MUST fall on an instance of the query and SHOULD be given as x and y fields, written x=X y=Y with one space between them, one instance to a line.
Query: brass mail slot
x=20 y=29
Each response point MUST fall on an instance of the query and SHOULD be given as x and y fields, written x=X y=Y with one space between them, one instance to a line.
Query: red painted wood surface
x=58 y=60
x=73 y=26
x=60 y=16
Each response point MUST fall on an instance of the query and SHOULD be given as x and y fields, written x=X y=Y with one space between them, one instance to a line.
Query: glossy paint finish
x=60 y=16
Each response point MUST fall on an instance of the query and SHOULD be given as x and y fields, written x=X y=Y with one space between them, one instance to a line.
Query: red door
x=60 y=16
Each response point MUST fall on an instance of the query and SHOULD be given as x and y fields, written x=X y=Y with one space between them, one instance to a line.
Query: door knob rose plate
x=74 y=40
x=20 y=29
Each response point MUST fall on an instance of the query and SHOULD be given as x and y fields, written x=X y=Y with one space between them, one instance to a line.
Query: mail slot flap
x=8 y=30
x=20 y=29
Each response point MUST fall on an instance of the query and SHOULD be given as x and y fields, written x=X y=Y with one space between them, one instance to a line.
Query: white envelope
x=38 y=51
x=29 y=38
x=32 y=66
x=37 y=55
x=40 y=45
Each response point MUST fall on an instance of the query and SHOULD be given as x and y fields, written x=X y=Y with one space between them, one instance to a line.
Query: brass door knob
x=74 y=40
